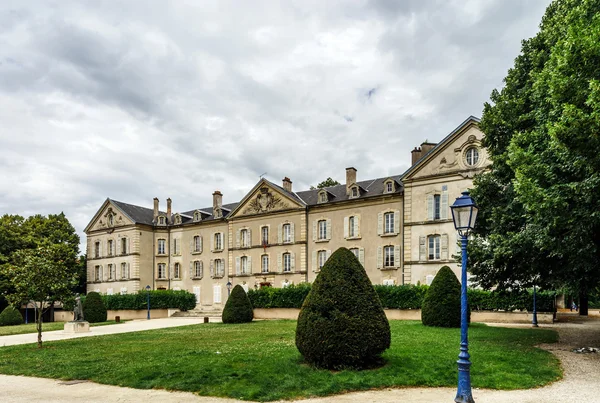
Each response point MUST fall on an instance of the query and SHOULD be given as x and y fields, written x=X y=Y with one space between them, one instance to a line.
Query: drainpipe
x=306 y=244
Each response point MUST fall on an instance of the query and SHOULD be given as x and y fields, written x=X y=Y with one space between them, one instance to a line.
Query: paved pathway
x=126 y=327
x=580 y=383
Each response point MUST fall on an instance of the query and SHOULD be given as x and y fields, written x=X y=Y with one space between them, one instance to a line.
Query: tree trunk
x=40 y=312
x=583 y=303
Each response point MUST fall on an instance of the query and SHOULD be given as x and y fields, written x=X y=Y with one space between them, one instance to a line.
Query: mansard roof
x=372 y=188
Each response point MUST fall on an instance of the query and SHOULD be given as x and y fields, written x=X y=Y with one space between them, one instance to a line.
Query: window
x=434 y=247
x=389 y=223
x=161 y=220
x=110 y=247
x=197 y=243
x=218 y=241
x=198 y=269
x=123 y=246
x=161 y=246
x=245 y=238
x=389 y=187
x=219 y=268
x=264 y=231
x=97 y=249
x=436 y=207
x=472 y=156
x=97 y=273
x=287 y=233
x=287 y=262
x=216 y=294
x=351 y=227
x=264 y=266
x=123 y=290
x=177 y=219
x=197 y=216
x=124 y=271
x=322 y=256
x=388 y=256
x=111 y=271
x=322 y=224
x=162 y=271
x=354 y=192
x=323 y=197
x=244 y=265
x=175 y=246
x=355 y=251
x=177 y=270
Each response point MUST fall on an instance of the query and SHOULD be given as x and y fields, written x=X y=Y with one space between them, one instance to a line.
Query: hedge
x=159 y=299
x=410 y=297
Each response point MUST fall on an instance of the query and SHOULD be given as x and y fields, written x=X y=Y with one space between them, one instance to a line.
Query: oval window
x=472 y=156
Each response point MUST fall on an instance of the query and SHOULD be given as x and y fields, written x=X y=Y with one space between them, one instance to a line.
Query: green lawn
x=259 y=360
x=46 y=327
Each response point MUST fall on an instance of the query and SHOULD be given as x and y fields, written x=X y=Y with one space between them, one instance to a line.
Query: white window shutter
x=361 y=256
x=314 y=260
x=422 y=248
x=279 y=263
x=201 y=269
x=211 y=265
x=328 y=228
x=379 y=257
x=237 y=265
x=430 y=207
x=397 y=221
x=197 y=294
x=237 y=238
x=357 y=225
x=346 y=221
x=397 y=255
x=327 y=254
x=292 y=234
x=249 y=264
x=249 y=243
x=314 y=230
x=444 y=205
x=128 y=273
x=280 y=234
x=444 y=254
x=217 y=294
x=191 y=270
x=200 y=239
x=104 y=273
x=212 y=243
x=380 y=224
x=192 y=244
x=127 y=246
x=292 y=261
x=118 y=246
x=101 y=249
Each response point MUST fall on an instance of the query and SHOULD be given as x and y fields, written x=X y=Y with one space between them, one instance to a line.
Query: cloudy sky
x=140 y=99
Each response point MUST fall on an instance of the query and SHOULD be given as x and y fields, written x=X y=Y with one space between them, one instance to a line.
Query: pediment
x=264 y=198
x=108 y=216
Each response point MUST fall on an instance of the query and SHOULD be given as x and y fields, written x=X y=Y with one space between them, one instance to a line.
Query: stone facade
x=399 y=227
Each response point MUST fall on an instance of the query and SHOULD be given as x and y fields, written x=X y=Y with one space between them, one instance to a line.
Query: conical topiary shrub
x=441 y=305
x=342 y=323
x=238 y=308
x=94 y=310
x=10 y=317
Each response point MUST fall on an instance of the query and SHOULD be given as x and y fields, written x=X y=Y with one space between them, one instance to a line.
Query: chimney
x=426 y=147
x=350 y=178
x=155 y=209
x=287 y=184
x=169 y=209
x=416 y=154
x=217 y=200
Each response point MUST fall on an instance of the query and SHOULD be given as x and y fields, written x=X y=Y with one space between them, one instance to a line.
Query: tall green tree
x=42 y=276
x=540 y=204
x=326 y=183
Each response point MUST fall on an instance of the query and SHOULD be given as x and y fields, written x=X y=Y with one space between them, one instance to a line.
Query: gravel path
x=581 y=382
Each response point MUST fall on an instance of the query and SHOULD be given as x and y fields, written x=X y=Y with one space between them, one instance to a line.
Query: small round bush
x=94 y=310
x=10 y=317
x=441 y=305
x=342 y=323
x=238 y=308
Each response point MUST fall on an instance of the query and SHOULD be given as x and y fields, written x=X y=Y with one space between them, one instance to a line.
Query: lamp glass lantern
x=464 y=214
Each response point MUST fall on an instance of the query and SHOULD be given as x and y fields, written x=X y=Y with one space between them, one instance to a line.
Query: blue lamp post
x=148 y=299
x=534 y=319
x=228 y=288
x=464 y=214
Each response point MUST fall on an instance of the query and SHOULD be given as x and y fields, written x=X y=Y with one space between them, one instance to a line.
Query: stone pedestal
x=77 y=327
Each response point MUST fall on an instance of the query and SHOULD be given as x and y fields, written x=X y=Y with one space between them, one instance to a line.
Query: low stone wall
x=415 y=314
x=125 y=314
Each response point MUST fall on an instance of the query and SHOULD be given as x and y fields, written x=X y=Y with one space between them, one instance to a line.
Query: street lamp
x=228 y=288
x=534 y=322
x=148 y=299
x=464 y=213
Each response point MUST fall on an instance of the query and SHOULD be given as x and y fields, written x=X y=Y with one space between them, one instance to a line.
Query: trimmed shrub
x=441 y=305
x=291 y=296
x=94 y=310
x=159 y=299
x=10 y=317
x=238 y=308
x=342 y=323
x=401 y=296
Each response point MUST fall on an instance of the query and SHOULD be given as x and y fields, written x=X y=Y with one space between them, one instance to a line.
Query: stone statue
x=78 y=310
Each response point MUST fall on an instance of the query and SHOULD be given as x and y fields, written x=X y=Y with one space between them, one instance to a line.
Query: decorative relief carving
x=265 y=201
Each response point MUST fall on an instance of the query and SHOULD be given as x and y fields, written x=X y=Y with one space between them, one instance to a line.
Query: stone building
x=399 y=227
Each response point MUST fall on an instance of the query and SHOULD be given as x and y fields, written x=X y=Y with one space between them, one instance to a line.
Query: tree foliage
x=326 y=183
x=10 y=316
x=238 y=308
x=94 y=310
x=539 y=206
x=342 y=323
x=441 y=305
x=42 y=276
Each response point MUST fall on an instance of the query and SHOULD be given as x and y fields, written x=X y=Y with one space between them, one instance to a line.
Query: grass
x=46 y=327
x=259 y=360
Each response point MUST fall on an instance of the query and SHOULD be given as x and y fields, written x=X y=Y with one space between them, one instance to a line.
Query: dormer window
x=389 y=187
x=354 y=191
x=177 y=219
x=197 y=216
x=218 y=213
x=323 y=197
x=161 y=220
